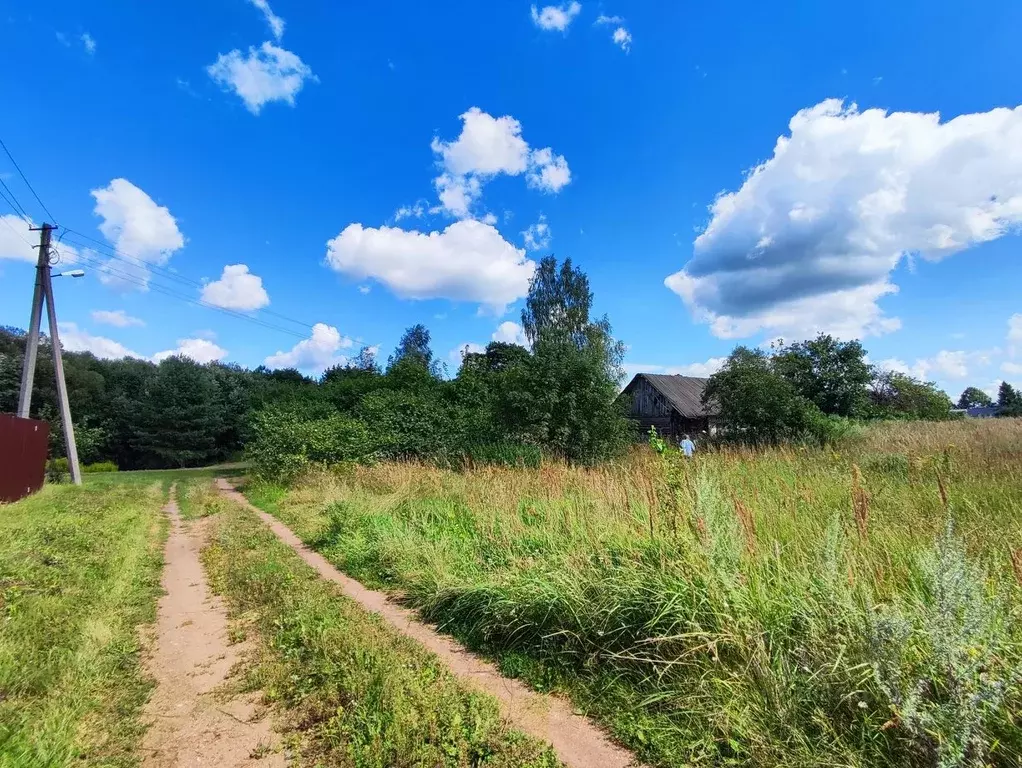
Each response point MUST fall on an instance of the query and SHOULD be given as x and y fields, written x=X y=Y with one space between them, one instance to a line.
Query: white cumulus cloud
x=510 y=332
x=316 y=353
x=88 y=43
x=74 y=339
x=468 y=261
x=144 y=232
x=537 y=236
x=265 y=74
x=555 y=17
x=809 y=241
x=117 y=317
x=489 y=146
x=622 y=38
x=237 y=288
x=273 y=21
x=548 y=172
x=201 y=351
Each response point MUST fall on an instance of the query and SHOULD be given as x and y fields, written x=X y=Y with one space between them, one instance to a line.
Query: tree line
x=508 y=403
x=814 y=390
x=558 y=396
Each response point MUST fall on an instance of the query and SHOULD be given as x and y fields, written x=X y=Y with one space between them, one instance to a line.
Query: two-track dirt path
x=189 y=725
x=577 y=741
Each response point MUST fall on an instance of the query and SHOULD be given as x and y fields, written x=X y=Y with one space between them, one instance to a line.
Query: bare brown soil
x=192 y=721
x=577 y=741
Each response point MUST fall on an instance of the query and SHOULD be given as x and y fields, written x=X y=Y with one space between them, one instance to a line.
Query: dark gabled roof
x=684 y=393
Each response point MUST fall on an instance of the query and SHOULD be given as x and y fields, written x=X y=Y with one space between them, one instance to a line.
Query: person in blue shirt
x=687 y=446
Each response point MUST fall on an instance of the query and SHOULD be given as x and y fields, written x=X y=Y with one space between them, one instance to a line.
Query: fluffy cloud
x=946 y=364
x=537 y=236
x=548 y=172
x=118 y=318
x=468 y=261
x=489 y=146
x=316 y=353
x=809 y=241
x=237 y=288
x=139 y=228
x=556 y=17
x=620 y=36
x=268 y=73
x=273 y=21
x=17 y=240
x=88 y=43
x=510 y=333
x=73 y=339
x=623 y=38
x=201 y=351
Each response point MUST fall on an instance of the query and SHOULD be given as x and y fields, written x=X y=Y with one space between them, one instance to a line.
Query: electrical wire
x=18 y=208
x=27 y=184
x=114 y=253
x=170 y=292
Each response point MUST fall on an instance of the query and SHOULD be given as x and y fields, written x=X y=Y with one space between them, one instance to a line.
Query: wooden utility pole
x=44 y=289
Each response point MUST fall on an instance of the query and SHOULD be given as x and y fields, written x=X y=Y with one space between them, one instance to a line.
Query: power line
x=26 y=242
x=16 y=206
x=114 y=253
x=167 y=291
x=27 y=184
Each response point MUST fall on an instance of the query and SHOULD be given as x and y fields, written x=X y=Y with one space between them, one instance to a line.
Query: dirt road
x=577 y=741
x=191 y=723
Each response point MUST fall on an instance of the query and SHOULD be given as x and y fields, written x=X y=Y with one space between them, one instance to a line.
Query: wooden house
x=672 y=404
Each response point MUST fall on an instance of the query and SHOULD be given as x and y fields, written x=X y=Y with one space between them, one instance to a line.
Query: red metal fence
x=23 y=447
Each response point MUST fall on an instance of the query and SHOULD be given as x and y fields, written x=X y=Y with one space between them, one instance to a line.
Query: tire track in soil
x=577 y=742
x=189 y=723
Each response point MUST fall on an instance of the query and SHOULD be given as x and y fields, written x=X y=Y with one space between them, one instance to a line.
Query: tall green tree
x=180 y=419
x=832 y=374
x=414 y=348
x=973 y=397
x=559 y=302
x=564 y=397
x=1009 y=401
x=898 y=396
x=755 y=403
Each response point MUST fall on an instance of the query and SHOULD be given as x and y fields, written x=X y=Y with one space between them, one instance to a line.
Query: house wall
x=648 y=408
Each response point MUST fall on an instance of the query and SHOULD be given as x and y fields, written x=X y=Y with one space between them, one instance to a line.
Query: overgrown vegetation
x=812 y=391
x=858 y=605
x=354 y=692
x=79 y=573
x=507 y=404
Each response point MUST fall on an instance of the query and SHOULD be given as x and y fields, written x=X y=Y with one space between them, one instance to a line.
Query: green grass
x=856 y=607
x=79 y=573
x=355 y=692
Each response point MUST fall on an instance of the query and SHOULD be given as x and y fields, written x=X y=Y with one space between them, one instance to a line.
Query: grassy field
x=79 y=573
x=854 y=607
x=353 y=692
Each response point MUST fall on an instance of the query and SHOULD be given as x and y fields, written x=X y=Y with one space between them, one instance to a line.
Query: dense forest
x=507 y=404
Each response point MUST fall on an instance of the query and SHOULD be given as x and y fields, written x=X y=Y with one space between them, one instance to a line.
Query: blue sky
x=374 y=165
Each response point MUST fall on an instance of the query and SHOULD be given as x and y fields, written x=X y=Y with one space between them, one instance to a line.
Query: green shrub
x=99 y=466
x=284 y=445
x=57 y=470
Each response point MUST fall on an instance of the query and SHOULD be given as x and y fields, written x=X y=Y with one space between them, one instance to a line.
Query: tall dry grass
x=859 y=606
